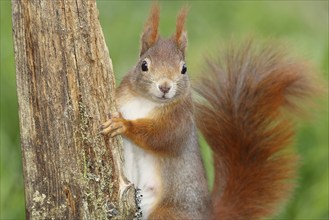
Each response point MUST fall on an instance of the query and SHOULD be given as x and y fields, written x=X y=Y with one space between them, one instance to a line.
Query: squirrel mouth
x=162 y=98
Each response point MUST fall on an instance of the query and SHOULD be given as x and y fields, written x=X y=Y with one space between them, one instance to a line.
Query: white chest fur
x=137 y=107
x=140 y=166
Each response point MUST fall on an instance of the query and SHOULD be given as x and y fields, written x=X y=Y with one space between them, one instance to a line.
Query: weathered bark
x=65 y=87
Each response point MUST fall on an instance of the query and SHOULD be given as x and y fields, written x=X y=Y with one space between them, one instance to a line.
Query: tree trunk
x=65 y=87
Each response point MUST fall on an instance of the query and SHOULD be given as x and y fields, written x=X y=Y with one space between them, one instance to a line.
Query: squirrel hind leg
x=163 y=212
x=175 y=212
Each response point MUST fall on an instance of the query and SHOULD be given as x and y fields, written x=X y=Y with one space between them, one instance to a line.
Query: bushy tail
x=241 y=111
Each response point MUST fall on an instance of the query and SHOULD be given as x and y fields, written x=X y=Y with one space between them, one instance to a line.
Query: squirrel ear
x=180 y=36
x=150 y=34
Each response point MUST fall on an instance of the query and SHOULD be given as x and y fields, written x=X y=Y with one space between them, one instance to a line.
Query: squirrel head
x=161 y=72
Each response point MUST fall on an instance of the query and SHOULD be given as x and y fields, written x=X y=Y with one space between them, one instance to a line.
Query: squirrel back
x=240 y=112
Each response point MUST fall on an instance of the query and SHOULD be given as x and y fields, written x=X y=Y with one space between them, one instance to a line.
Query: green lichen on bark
x=65 y=87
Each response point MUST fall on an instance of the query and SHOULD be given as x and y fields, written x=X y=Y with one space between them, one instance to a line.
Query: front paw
x=114 y=126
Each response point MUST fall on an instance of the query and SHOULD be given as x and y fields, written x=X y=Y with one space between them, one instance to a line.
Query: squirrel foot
x=114 y=126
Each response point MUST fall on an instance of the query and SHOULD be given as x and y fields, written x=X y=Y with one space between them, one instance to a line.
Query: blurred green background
x=303 y=25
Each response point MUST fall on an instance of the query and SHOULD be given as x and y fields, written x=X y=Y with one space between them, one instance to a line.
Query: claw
x=114 y=134
x=106 y=124
x=120 y=130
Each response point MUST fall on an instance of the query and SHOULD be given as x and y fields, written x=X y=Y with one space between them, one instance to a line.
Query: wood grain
x=65 y=87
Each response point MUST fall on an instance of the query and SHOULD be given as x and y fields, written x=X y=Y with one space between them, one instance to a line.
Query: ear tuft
x=150 y=34
x=181 y=35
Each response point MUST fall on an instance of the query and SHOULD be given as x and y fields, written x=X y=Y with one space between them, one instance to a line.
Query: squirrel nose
x=164 y=88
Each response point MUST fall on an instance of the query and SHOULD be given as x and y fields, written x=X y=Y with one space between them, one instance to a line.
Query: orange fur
x=154 y=22
x=150 y=34
x=165 y=212
x=180 y=35
x=242 y=120
x=155 y=134
x=240 y=113
x=180 y=23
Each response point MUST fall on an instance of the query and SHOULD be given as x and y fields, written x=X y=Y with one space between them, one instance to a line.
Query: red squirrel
x=238 y=109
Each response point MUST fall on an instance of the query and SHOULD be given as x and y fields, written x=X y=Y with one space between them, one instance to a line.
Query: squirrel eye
x=184 y=69
x=144 y=66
